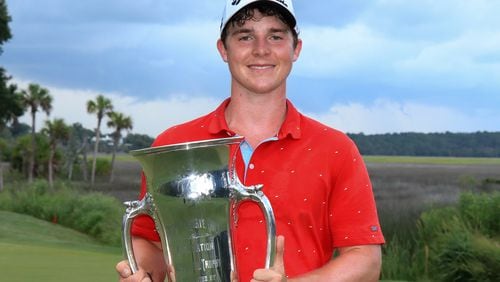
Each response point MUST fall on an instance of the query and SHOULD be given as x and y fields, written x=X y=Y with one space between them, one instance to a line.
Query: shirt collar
x=290 y=127
x=217 y=123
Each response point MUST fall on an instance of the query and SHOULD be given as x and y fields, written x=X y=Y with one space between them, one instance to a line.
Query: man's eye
x=245 y=38
x=276 y=37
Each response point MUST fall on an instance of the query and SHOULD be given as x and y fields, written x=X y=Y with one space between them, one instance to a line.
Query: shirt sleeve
x=143 y=225
x=353 y=214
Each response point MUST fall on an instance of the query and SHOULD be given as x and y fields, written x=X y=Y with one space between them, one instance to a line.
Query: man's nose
x=261 y=47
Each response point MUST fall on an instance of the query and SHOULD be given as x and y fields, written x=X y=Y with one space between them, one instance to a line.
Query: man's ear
x=297 y=50
x=222 y=50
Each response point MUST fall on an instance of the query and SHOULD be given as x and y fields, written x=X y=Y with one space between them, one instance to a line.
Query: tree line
x=447 y=144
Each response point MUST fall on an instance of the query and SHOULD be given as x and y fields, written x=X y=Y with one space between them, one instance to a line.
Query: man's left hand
x=277 y=272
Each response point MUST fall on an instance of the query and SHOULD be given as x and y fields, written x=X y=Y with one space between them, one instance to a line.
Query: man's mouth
x=261 y=67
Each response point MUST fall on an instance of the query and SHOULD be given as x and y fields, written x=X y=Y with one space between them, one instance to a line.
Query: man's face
x=260 y=54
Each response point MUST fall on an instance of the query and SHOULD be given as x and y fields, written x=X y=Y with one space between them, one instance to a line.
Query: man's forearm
x=149 y=256
x=359 y=263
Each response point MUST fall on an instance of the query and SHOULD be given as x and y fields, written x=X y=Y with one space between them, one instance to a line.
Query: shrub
x=468 y=182
x=467 y=256
x=454 y=243
x=21 y=152
x=95 y=214
x=102 y=167
x=481 y=212
x=5 y=151
x=462 y=241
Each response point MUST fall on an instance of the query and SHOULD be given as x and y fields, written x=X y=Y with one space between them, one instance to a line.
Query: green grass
x=35 y=250
x=122 y=157
x=432 y=160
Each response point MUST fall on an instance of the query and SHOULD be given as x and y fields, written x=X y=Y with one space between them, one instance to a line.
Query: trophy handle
x=254 y=193
x=134 y=208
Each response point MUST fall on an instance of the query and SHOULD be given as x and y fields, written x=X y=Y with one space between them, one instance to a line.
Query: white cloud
x=384 y=116
x=152 y=117
x=149 y=117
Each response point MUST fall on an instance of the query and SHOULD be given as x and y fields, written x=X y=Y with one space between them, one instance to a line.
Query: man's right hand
x=125 y=273
x=150 y=261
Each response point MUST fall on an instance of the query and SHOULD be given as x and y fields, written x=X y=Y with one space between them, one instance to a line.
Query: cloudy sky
x=377 y=66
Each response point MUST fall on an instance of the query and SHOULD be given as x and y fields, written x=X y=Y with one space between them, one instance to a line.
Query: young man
x=313 y=175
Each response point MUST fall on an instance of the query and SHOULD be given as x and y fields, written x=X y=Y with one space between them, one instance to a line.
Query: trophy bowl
x=193 y=194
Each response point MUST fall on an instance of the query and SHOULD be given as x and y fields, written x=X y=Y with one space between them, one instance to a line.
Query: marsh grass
x=464 y=239
x=458 y=242
x=405 y=192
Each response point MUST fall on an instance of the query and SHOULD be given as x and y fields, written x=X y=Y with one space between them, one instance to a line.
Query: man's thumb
x=280 y=250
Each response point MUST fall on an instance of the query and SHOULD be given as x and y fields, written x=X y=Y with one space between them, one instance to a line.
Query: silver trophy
x=193 y=198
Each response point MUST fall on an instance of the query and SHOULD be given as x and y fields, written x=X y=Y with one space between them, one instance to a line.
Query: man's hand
x=150 y=261
x=125 y=273
x=277 y=272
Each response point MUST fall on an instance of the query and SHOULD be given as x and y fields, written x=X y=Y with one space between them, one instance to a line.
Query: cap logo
x=236 y=2
x=282 y=2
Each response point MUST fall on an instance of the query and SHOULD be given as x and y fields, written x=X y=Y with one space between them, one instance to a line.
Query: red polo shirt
x=317 y=184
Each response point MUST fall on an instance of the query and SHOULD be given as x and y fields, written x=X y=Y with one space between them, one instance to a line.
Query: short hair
x=266 y=9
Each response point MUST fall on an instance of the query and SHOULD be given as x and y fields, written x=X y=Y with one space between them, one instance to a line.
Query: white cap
x=234 y=6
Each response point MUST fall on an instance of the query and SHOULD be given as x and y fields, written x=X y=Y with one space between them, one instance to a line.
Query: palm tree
x=35 y=98
x=119 y=122
x=101 y=106
x=57 y=131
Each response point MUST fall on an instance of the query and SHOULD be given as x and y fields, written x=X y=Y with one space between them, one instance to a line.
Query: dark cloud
x=97 y=11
